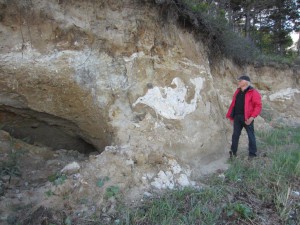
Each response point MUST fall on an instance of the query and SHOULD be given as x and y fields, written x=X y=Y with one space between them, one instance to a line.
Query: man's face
x=242 y=83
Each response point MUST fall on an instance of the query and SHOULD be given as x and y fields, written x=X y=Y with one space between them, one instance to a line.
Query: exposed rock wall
x=124 y=73
x=124 y=77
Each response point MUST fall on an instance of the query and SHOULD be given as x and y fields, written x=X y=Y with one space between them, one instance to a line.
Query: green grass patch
x=280 y=137
x=9 y=165
x=239 y=172
x=239 y=210
x=112 y=191
x=187 y=206
x=57 y=178
x=49 y=193
x=101 y=181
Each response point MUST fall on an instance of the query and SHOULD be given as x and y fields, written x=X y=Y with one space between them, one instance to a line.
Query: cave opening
x=42 y=129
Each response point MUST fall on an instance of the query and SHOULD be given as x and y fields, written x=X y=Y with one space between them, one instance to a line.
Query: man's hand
x=249 y=121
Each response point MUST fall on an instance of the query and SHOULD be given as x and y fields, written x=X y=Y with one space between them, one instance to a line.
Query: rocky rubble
x=42 y=177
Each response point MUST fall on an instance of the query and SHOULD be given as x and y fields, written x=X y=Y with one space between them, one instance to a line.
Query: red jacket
x=253 y=104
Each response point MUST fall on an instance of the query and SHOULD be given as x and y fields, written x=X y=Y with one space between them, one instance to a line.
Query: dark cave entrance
x=43 y=129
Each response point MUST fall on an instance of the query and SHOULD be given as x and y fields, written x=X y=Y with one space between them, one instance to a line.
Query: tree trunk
x=247 y=23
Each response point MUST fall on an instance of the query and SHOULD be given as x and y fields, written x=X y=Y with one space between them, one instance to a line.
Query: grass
x=253 y=192
x=9 y=163
x=57 y=178
x=280 y=137
x=186 y=206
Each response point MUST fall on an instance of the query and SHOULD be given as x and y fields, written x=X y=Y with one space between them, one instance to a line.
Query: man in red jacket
x=245 y=106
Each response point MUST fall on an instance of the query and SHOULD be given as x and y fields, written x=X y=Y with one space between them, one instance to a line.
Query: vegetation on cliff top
x=246 y=31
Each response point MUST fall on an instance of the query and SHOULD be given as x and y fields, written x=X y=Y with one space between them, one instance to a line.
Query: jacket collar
x=247 y=89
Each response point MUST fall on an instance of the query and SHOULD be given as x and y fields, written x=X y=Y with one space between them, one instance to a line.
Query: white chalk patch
x=164 y=180
x=133 y=56
x=175 y=166
x=170 y=102
x=183 y=180
x=283 y=94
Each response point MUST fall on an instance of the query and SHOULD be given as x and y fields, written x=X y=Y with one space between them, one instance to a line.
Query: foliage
x=267 y=22
x=280 y=136
x=246 y=31
x=101 y=181
x=10 y=165
x=243 y=210
x=112 y=191
x=57 y=178
x=49 y=193
x=186 y=206
x=68 y=221
x=211 y=20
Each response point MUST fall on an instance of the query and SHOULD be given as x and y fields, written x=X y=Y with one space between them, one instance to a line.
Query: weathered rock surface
x=122 y=78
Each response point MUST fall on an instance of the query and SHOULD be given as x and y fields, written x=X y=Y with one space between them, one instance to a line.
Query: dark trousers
x=238 y=125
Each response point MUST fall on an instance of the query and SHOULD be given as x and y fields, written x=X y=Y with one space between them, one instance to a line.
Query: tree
x=264 y=21
x=298 y=45
x=283 y=19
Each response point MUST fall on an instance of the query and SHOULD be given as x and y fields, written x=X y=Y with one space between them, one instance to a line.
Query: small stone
x=222 y=176
x=19 y=196
x=5 y=178
x=149 y=85
x=147 y=194
x=76 y=176
x=93 y=208
x=183 y=180
x=129 y=162
x=71 y=168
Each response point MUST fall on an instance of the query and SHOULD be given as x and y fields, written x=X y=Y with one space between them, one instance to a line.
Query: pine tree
x=283 y=20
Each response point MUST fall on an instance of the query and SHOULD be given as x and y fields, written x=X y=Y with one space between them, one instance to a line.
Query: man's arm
x=257 y=104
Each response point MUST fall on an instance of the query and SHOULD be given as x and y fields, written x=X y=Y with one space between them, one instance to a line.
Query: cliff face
x=122 y=78
x=109 y=74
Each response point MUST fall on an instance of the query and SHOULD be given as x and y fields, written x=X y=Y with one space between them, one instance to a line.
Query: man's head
x=244 y=81
x=244 y=77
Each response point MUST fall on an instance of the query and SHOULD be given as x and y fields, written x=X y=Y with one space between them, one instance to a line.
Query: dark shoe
x=232 y=155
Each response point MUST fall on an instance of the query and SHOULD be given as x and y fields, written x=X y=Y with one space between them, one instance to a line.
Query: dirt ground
x=35 y=188
x=28 y=174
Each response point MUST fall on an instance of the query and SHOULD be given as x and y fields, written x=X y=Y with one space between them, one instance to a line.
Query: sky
x=295 y=37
